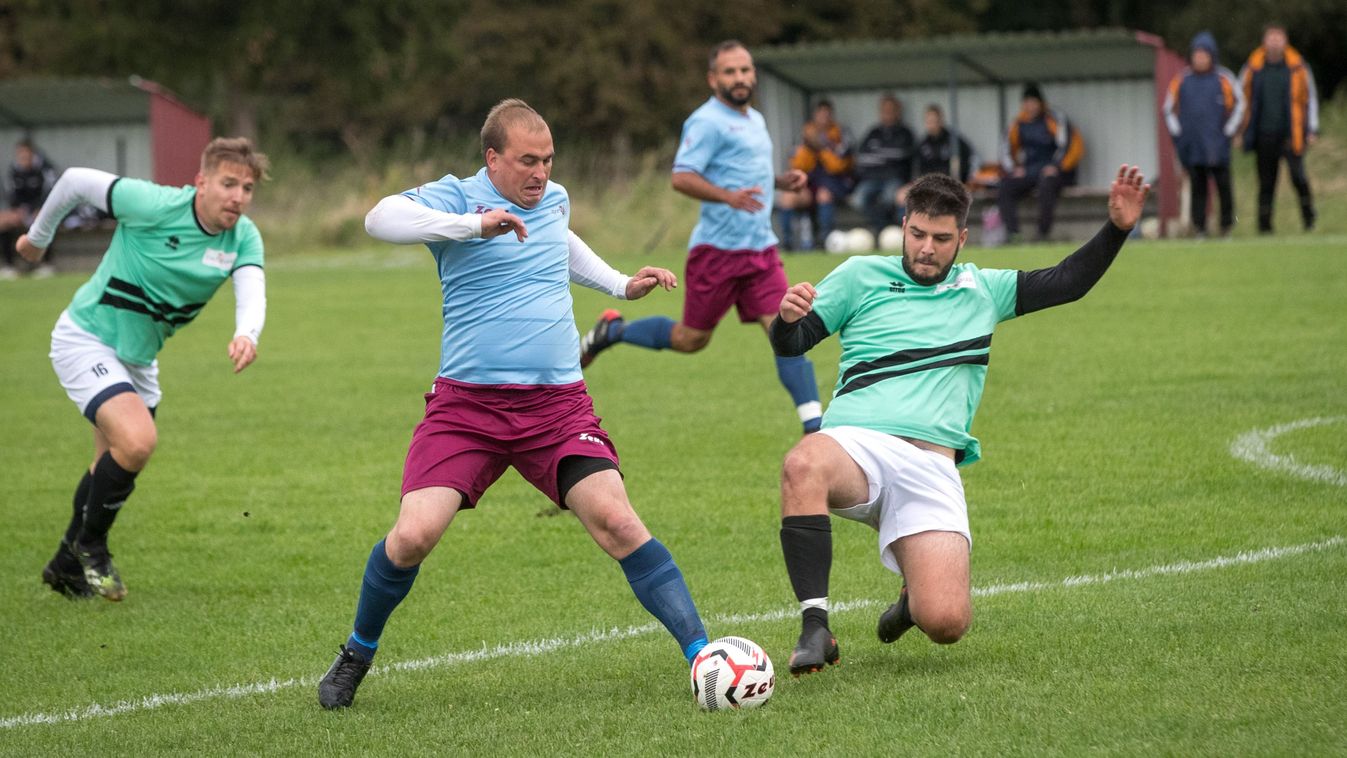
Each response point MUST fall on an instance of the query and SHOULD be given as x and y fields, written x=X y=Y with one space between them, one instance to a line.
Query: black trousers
x=1271 y=151
x=1201 y=176
x=1015 y=187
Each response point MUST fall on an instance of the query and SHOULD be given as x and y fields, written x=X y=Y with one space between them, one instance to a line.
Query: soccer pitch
x=1160 y=524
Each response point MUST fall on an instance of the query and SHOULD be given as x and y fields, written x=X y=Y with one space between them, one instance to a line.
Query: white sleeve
x=1237 y=113
x=1171 y=118
x=76 y=185
x=1312 y=116
x=403 y=221
x=588 y=269
x=250 y=302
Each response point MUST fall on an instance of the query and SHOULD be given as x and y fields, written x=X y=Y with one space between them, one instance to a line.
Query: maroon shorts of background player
x=754 y=281
x=472 y=432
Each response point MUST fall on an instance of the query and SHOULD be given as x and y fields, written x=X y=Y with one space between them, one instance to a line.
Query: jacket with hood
x=1204 y=110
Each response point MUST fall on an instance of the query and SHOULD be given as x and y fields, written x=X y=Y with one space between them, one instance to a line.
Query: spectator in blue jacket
x=1203 y=109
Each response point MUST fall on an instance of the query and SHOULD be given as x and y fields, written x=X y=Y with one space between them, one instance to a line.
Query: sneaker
x=816 y=647
x=64 y=574
x=99 y=572
x=596 y=340
x=337 y=690
x=895 y=620
x=8 y=273
x=44 y=271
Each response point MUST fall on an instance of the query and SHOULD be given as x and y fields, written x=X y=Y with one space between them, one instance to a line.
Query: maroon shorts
x=472 y=432
x=754 y=281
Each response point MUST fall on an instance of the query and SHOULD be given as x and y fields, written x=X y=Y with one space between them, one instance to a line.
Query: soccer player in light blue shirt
x=509 y=391
x=724 y=159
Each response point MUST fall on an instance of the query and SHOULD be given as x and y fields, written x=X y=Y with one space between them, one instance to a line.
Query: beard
x=728 y=94
x=927 y=281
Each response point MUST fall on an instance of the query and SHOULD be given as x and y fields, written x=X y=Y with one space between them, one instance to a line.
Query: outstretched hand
x=497 y=222
x=1127 y=197
x=798 y=302
x=647 y=279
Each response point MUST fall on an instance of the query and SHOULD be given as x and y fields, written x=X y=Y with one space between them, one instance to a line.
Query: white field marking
x=1256 y=447
x=531 y=648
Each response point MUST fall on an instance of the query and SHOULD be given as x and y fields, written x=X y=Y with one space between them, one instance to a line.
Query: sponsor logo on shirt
x=963 y=281
x=219 y=259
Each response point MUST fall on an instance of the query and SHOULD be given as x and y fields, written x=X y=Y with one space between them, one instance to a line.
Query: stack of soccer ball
x=862 y=240
x=732 y=672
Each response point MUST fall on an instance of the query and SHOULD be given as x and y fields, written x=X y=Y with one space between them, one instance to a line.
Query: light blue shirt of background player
x=731 y=150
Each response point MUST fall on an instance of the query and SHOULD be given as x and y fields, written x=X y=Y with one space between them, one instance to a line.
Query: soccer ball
x=891 y=238
x=836 y=242
x=732 y=672
x=860 y=240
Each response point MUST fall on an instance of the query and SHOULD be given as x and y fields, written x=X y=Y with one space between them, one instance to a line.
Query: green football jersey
x=914 y=357
x=160 y=269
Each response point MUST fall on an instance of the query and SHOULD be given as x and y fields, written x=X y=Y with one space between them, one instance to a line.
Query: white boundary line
x=1256 y=447
x=531 y=648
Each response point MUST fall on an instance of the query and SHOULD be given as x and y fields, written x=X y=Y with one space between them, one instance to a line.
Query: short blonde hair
x=506 y=114
x=238 y=150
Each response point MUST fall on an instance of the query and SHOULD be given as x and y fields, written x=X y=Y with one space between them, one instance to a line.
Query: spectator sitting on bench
x=824 y=154
x=1041 y=152
x=30 y=179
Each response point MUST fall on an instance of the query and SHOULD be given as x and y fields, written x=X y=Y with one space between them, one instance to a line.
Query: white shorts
x=90 y=371
x=911 y=490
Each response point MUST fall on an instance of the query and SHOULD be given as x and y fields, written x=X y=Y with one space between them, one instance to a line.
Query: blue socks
x=384 y=586
x=654 y=332
x=797 y=375
x=660 y=587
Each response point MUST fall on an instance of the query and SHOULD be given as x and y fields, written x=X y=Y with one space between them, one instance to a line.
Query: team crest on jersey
x=897 y=287
x=560 y=210
x=219 y=259
x=964 y=281
x=173 y=242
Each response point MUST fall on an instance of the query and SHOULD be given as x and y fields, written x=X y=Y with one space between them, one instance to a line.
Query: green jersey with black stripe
x=160 y=269
x=914 y=357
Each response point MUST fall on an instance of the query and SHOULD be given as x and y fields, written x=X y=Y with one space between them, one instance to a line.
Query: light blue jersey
x=731 y=150
x=507 y=304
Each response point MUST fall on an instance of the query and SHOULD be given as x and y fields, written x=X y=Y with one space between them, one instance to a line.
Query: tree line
x=358 y=75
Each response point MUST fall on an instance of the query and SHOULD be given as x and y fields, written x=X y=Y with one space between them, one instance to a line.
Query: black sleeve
x=797 y=338
x=1069 y=280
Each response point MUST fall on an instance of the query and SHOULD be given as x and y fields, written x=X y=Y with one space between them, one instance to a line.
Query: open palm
x=1127 y=197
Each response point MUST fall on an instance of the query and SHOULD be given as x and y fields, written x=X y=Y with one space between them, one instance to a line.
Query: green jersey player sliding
x=916 y=334
x=173 y=248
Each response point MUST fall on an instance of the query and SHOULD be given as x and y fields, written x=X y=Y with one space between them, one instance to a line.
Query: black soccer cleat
x=816 y=647
x=99 y=572
x=895 y=620
x=64 y=574
x=596 y=340
x=337 y=690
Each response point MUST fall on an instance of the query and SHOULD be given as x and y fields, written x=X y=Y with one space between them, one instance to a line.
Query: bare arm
x=696 y=186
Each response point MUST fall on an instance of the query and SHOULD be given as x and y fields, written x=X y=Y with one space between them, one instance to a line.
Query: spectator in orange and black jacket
x=1204 y=106
x=1283 y=120
x=1042 y=152
x=825 y=155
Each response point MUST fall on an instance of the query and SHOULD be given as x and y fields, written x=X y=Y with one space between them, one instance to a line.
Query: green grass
x=1106 y=427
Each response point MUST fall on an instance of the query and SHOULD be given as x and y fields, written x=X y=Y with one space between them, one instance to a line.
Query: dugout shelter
x=1109 y=82
x=129 y=127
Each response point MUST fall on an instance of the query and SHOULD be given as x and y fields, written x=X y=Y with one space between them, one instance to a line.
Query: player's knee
x=621 y=533
x=691 y=340
x=802 y=470
x=136 y=450
x=946 y=626
x=408 y=544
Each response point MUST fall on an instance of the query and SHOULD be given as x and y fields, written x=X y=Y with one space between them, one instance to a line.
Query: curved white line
x=529 y=648
x=1256 y=447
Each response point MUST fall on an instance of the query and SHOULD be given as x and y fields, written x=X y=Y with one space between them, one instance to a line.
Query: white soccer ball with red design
x=732 y=672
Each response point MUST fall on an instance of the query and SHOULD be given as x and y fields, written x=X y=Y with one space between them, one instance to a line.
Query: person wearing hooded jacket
x=1282 y=121
x=1204 y=106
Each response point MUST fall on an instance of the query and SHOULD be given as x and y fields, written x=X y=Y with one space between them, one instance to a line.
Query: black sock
x=108 y=489
x=807 y=544
x=77 y=509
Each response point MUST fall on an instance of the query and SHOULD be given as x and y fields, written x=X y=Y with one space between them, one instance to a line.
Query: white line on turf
x=1256 y=447
x=529 y=648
